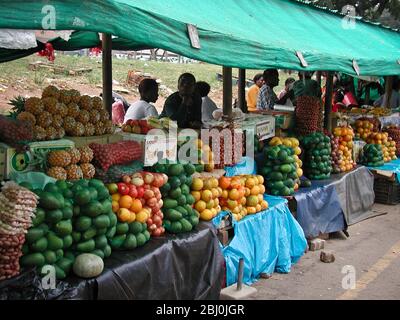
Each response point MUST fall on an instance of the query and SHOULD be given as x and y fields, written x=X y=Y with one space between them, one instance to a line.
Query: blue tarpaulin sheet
x=269 y=241
x=393 y=166
x=246 y=166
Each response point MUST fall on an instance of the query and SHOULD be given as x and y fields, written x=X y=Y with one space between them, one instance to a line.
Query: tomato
x=133 y=191
x=158 y=232
x=123 y=189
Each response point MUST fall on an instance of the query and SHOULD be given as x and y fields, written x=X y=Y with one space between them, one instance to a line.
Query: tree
x=384 y=11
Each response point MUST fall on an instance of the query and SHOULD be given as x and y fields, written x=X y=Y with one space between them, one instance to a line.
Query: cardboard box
x=22 y=161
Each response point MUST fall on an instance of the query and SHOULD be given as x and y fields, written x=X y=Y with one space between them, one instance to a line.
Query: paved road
x=373 y=249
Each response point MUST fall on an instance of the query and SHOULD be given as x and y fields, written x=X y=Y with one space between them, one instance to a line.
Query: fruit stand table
x=187 y=266
x=268 y=241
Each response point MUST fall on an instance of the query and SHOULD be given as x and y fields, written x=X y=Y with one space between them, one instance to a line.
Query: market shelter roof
x=252 y=34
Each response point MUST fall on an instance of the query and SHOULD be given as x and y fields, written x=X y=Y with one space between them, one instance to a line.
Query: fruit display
x=72 y=164
x=206 y=193
x=317 y=156
x=17 y=207
x=179 y=214
x=137 y=126
x=394 y=133
x=71 y=218
x=372 y=155
x=308 y=115
x=88 y=265
x=342 y=149
x=365 y=126
x=65 y=112
x=388 y=145
x=107 y=155
x=15 y=133
x=116 y=172
x=280 y=170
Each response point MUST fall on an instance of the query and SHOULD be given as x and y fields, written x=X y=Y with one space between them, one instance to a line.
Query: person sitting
x=142 y=109
x=288 y=86
x=184 y=106
x=208 y=106
x=395 y=100
x=253 y=92
x=267 y=97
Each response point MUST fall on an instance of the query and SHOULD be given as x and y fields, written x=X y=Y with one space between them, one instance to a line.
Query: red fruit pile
x=107 y=155
x=231 y=148
x=308 y=115
x=15 y=133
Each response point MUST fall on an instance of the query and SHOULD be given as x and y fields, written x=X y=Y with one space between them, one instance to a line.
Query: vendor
x=395 y=100
x=208 y=106
x=252 y=94
x=184 y=106
x=306 y=86
x=142 y=109
x=288 y=86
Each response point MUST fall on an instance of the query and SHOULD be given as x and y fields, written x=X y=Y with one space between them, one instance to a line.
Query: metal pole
x=242 y=90
x=227 y=91
x=388 y=91
x=107 y=71
x=328 y=102
x=240 y=275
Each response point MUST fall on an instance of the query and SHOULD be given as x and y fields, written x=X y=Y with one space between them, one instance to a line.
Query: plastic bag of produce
x=38 y=180
x=115 y=173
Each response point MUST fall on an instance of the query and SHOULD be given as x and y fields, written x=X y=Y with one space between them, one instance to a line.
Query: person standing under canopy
x=395 y=99
x=184 y=106
x=252 y=94
x=267 y=97
x=208 y=106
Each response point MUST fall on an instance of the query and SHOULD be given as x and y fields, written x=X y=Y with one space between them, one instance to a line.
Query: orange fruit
x=125 y=202
x=224 y=182
x=236 y=183
x=236 y=210
x=255 y=190
x=136 y=206
x=206 y=215
x=216 y=202
x=258 y=207
x=260 y=198
x=215 y=193
x=232 y=204
x=196 y=195
x=252 y=201
x=200 y=205
x=236 y=217
x=262 y=187
x=243 y=201
x=234 y=194
x=206 y=195
x=251 y=182
x=219 y=191
x=251 y=210
x=197 y=184
x=264 y=205
x=247 y=192
x=207 y=184
x=214 y=182
x=115 y=206
x=214 y=212
x=142 y=216
x=210 y=204
x=116 y=197
x=225 y=194
x=124 y=215
x=132 y=217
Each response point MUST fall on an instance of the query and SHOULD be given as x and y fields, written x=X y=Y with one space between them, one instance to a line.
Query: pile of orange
x=129 y=209
x=346 y=136
x=243 y=195
x=387 y=143
x=206 y=193
x=363 y=129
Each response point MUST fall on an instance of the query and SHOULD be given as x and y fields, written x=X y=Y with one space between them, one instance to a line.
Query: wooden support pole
x=319 y=77
x=106 y=41
x=227 y=91
x=388 y=91
x=328 y=102
x=242 y=90
x=367 y=95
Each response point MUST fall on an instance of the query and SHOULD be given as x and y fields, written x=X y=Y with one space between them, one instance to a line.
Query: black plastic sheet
x=188 y=266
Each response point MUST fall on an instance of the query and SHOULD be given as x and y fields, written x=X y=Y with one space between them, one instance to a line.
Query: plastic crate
x=386 y=191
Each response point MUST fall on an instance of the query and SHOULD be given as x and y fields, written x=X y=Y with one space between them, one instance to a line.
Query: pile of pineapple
x=71 y=164
x=65 y=112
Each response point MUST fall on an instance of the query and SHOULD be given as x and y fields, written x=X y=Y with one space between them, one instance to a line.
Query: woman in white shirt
x=142 y=109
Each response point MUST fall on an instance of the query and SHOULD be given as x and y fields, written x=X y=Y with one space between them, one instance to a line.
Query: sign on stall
x=265 y=129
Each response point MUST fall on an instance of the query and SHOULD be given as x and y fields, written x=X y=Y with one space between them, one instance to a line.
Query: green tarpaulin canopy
x=250 y=34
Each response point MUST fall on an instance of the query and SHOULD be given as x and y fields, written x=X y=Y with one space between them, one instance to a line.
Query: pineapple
x=89 y=130
x=75 y=155
x=62 y=109
x=108 y=126
x=51 y=133
x=60 y=133
x=39 y=133
x=57 y=121
x=59 y=158
x=79 y=130
x=50 y=105
x=34 y=106
x=94 y=116
x=88 y=170
x=83 y=117
x=73 y=110
x=99 y=129
x=57 y=173
x=85 y=103
x=45 y=119
x=97 y=103
x=51 y=91
x=27 y=117
x=75 y=95
x=69 y=124
x=65 y=96
x=74 y=172
x=104 y=115
x=86 y=154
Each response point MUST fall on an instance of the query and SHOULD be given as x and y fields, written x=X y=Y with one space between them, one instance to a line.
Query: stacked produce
x=366 y=126
x=280 y=170
x=394 y=133
x=17 y=207
x=308 y=115
x=342 y=149
x=206 y=193
x=71 y=218
x=61 y=112
x=72 y=164
x=388 y=145
x=15 y=133
x=117 y=172
x=229 y=148
x=179 y=214
x=144 y=126
x=317 y=148
x=372 y=155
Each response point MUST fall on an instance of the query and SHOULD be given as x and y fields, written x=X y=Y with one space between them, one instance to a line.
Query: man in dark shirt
x=184 y=106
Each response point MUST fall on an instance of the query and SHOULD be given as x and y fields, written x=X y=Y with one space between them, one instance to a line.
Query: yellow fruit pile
x=345 y=147
x=206 y=193
x=387 y=143
x=295 y=144
x=363 y=129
